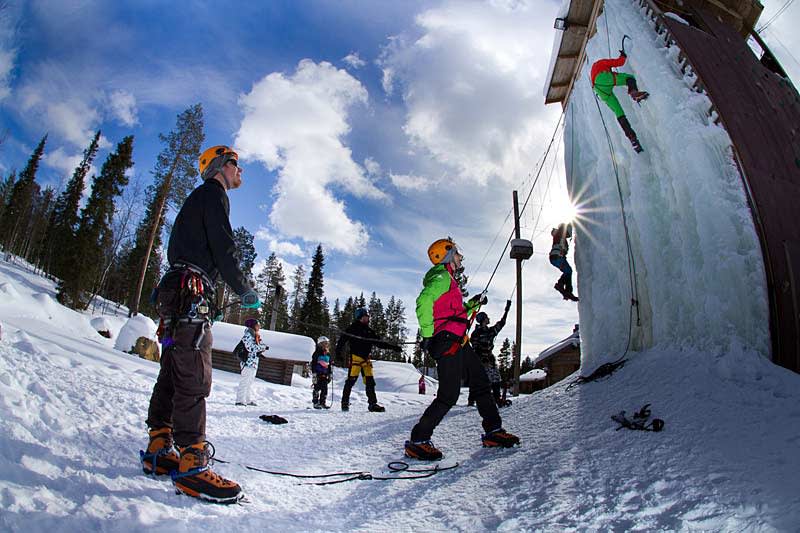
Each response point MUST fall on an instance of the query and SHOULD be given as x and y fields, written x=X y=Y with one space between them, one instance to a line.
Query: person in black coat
x=361 y=338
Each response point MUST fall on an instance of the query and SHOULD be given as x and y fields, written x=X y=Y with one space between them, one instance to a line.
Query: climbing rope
x=397 y=467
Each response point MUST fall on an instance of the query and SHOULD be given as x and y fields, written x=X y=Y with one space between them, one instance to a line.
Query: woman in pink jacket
x=444 y=320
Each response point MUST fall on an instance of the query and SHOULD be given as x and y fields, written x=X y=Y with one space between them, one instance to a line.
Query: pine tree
x=526 y=366
x=174 y=177
x=18 y=209
x=40 y=215
x=246 y=257
x=298 y=296
x=314 y=319
x=6 y=187
x=396 y=330
x=65 y=218
x=418 y=357
x=267 y=282
x=94 y=229
x=504 y=359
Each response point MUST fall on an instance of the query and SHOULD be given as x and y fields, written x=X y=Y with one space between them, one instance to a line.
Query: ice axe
x=623 y=44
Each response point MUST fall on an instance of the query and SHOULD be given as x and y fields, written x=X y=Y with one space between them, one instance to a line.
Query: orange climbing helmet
x=213 y=159
x=442 y=251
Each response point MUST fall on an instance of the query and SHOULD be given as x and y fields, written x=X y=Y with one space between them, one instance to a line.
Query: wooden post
x=518 y=342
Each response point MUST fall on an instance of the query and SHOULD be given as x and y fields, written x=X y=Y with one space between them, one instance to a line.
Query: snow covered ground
x=72 y=423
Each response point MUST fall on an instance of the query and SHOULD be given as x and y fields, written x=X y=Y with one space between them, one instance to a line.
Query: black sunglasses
x=233 y=162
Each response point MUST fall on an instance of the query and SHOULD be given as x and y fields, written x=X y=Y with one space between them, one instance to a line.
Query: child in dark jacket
x=322 y=370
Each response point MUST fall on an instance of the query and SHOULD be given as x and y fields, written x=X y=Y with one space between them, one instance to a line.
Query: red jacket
x=606 y=64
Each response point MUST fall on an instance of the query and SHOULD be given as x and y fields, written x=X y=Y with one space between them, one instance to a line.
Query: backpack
x=241 y=352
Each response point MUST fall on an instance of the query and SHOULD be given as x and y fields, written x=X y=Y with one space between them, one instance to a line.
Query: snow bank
x=699 y=270
x=136 y=326
x=537 y=374
x=284 y=346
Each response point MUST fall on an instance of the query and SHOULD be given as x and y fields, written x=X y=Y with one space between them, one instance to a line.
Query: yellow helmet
x=439 y=250
x=210 y=155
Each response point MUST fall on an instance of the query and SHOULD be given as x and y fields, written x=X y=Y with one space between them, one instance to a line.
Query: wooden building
x=756 y=103
x=558 y=361
x=287 y=353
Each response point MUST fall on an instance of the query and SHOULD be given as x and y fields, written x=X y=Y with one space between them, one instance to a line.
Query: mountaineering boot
x=160 y=457
x=629 y=133
x=634 y=91
x=195 y=478
x=499 y=437
x=423 y=450
x=317 y=406
x=345 y=406
x=376 y=408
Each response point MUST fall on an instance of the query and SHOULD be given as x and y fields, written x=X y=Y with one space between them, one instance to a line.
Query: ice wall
x=699 y=270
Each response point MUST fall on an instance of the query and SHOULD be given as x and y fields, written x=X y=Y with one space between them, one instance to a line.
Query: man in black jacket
x=361 y=338
x=482 y=340
x=201 y=248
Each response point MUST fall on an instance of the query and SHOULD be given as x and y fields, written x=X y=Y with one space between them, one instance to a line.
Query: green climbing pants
x=604 y=85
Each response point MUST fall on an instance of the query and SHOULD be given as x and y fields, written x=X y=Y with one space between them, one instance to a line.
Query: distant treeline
x=112 y=246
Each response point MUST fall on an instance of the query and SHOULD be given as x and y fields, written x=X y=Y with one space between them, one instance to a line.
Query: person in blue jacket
x=323 y=371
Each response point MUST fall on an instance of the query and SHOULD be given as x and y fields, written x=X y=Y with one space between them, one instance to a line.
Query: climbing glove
x=250 y=300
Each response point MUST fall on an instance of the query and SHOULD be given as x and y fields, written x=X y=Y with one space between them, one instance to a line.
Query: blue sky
x=372 y=127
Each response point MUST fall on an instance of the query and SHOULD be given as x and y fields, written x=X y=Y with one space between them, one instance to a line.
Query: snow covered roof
x=574 y=340
x=537 y=374
x=285 y=346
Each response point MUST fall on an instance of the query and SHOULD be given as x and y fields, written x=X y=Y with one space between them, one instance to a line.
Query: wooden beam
x=582 y=53
x=725 y=8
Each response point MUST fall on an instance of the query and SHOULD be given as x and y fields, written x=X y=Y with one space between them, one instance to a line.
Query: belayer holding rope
x=558 y=258
x=604 y=79
x=482 y=340
x=444 y=319
x=361 y=338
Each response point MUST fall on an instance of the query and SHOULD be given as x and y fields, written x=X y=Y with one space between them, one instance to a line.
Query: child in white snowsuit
x=252 y=343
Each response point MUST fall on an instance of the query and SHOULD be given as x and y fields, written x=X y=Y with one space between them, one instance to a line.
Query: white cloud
x=373 y=167
x=281 y=248
x=354 y=60
x=122 y=105
x=65 y=163
x=409 y=182
x=295 y=124
x=470 y=80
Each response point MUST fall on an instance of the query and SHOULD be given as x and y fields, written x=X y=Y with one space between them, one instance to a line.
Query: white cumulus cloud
x=470 y=78
x=281 y=248
x=295 y=124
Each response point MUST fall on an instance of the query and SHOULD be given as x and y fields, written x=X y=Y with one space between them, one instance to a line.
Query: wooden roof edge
x=591 y=28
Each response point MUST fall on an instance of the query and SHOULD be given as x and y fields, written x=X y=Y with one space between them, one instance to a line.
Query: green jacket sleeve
x=436 y=283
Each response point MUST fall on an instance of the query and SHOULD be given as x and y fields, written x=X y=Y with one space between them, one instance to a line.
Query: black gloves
x=479 y=299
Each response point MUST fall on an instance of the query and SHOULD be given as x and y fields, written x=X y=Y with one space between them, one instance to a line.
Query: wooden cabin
x=558 y=361
x=287 y=353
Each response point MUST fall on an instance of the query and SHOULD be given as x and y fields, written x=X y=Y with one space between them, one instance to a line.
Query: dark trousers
x=320 y=388
x=450 y=368
x=183 y=384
